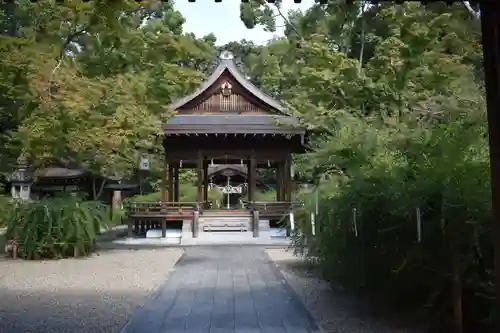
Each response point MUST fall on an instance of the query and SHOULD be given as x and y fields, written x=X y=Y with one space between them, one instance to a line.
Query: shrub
x=188 y=194
x=56 y=228
x=264 y=196
x=444 y=172
x=150 y=197
x=5 y=208
x=215 y=197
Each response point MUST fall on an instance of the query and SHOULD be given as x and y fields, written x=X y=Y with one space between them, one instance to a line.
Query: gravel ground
x=334 y=311
x=96 y=295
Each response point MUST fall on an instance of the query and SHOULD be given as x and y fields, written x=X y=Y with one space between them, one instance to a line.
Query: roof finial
x=22 y=161
x=226 y=55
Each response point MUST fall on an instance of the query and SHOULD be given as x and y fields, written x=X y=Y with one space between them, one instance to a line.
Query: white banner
x=144 y=163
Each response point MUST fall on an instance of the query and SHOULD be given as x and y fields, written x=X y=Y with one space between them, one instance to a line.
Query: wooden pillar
x=287 y=195
x=252 y=185
x=164 y=182
x=199 y=193
x=283 y=181
x=287 y=191
x=252 y=175
x=163 y=198
x=290 y=185
x=177 y=193
x=490 y=26
x=171 y=182
x=278 y=182
x=205 y=182
x=199 y=173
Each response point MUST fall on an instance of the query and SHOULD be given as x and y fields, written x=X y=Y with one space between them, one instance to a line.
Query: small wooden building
x=227 y=120
x=51 y=181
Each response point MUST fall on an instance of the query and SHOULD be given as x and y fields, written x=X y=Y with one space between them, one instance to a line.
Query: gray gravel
x=334 y=311
x=97 y=294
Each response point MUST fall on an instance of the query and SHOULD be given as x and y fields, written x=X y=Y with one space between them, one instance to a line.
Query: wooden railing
x=158 y=209
x=278 y=210
x=143 y=216
x=270 y=209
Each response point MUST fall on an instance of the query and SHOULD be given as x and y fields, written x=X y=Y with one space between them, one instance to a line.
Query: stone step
x=240 y=224
x=225 y=224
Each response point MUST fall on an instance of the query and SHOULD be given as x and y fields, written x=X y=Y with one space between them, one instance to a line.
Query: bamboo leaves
x=56 y=228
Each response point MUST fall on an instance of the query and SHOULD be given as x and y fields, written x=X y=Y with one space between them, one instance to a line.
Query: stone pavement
x=226 y=289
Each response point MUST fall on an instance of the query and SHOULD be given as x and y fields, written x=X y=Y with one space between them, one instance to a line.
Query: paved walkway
x=227 y=289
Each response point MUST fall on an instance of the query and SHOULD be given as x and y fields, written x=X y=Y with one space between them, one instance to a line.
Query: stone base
x=272 y=237
x=156 y=233
x=234 y=238
x=187 y=226
x=149 y=241
x=264 y=225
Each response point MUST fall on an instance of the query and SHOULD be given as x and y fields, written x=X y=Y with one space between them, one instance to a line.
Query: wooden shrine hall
x=226 y=121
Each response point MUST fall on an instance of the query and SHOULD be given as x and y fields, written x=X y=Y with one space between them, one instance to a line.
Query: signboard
x=228 y=189
x=144 y=163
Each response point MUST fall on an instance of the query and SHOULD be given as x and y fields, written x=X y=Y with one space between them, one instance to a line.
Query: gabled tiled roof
x=227 y=64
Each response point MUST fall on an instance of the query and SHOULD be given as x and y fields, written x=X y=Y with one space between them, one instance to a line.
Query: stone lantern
x=21 y=180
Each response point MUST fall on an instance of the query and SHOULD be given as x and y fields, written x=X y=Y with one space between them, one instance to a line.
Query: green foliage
x=102 y=106
x=215 y=197
x=188 y=193
x=5 y=208
x=269 y=195
x=387 y=171
x=446 y=176
x=391 y=94
x=150 y=197
x=260 y=195
x=56 y=228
